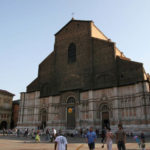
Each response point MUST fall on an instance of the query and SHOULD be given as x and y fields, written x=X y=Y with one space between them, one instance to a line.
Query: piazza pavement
x=20 y=143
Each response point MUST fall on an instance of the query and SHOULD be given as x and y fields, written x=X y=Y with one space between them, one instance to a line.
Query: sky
x=27 y=29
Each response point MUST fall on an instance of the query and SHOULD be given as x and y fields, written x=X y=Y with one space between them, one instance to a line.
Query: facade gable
x=95 y=65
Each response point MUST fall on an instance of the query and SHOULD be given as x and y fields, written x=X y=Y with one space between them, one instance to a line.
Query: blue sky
x=27 y=29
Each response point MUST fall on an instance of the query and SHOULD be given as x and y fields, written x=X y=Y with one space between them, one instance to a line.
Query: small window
x=72 y=53
x=71 y=100
x=121 y=75
x=105 y=108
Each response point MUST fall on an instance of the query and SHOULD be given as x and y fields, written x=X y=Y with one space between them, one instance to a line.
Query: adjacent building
x=86 y=81
x=15 y=113
x=5 y=108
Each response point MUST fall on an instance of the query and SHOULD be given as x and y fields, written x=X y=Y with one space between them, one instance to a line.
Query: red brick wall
x=15 y=113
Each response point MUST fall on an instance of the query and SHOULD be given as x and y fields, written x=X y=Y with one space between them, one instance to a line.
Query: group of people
x=59 y=139
x=140 y=140
x=91 y=136
x=49 y=136
x=6 y=132
x=108 y=136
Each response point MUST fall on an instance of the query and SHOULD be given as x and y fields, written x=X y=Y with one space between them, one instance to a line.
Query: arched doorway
x=105 y=116
x=3 y=125
x=43 y=118
x=71 y=123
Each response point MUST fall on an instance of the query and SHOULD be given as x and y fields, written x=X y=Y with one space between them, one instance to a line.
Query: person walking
x=53 y=134
x=108 y=139
x=103 y=135
x=32 y=134
x=137 y=139
x=4 y=131
x=97 y=132
x=60 y=142
x=90 y=138
x=142 y=144
x=120 y=138
x=142 y=137
x=26 y=132
x=18 y=132
x=37 y=137
x=81 y=132
x=47 y=135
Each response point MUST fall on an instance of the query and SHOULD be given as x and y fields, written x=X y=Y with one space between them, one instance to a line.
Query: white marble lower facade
x=129 y=105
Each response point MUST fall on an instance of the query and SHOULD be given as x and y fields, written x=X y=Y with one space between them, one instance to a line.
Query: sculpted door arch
x=71 y=123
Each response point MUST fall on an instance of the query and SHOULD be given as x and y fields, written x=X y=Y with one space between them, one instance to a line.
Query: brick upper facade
x=99 y=64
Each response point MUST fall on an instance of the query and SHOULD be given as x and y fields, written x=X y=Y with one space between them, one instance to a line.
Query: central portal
x=105 y=119
x=71 y=123
x=105 y=116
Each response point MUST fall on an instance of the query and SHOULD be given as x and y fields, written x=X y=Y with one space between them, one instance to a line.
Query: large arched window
x=71 y=53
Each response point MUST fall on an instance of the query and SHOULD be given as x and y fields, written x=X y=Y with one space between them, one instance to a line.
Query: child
x=137 y=140
x=37 y=137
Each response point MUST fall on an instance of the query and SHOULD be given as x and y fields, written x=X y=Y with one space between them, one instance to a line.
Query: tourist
x=32 y=134
x=60 y=142
x=75 y=132
x=47 y=135
x=18 y=132
x=37 y=137
x=85 y=131
x=53 y=134
x=4 y=131
x=108 y=139
x=137 y=140
x=97 y=132
x=131 y=134
x=143 y=144
x=15 y=131
x=90 y=138
x=142 y=136
x=9 y=132
x=103 y=135
x=26 y=132
x=81 y=132
x=121 y=138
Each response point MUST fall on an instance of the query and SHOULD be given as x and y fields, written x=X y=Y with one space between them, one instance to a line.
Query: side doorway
x=43 y=118
x=3 y=125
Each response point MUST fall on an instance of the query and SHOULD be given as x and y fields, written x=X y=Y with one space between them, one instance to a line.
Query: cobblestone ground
x=9 y=143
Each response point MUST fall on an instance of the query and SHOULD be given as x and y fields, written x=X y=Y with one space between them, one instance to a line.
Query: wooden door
x=71 y=117
x=105 y=119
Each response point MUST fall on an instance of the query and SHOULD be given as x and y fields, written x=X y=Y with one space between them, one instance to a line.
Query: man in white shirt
x=54 y=132
x=61 y=143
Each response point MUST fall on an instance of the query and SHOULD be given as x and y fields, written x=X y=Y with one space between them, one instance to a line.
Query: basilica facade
x=86 y=81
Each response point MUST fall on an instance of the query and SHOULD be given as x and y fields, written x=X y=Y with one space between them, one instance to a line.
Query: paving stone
x=9 y=143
